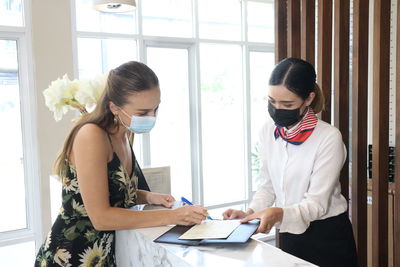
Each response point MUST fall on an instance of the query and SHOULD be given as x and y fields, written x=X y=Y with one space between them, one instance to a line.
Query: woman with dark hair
x=302 y=157
x=99 y=175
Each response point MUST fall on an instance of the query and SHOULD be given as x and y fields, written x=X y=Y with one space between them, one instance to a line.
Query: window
x=213 y=60
x=98 y=55
x=90 y=20
x=220 y=19
x=11 y=13
x=261 y=65
x=19 y=198
x=11 y=163
x=222 y=114
x=261 y=27
x=167 y=18
x=172 y=147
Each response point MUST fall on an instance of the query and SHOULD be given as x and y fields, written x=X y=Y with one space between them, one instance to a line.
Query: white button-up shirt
x=301 y=179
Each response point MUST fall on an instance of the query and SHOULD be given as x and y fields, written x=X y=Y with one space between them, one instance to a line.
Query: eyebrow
x=149 y=109
x=283 y=101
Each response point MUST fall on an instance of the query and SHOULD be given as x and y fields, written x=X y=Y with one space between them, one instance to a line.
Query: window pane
x=22 y=254
x=91 y=20
x=167 y=18
x=222 y=123
x=97 y=56
x=12 y=189
x=11 y=13
x=170 y=139
x=261 y=65
x=260 y=18
x=220 y=19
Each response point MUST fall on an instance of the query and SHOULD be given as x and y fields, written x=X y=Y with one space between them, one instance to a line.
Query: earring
x=115 y=119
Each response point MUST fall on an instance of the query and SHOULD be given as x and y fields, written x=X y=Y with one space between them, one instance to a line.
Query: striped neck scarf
x=302 y=131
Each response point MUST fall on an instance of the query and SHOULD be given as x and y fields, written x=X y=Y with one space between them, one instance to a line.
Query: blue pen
x=190 y=203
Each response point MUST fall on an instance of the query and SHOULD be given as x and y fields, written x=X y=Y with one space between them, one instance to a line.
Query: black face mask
x=284 y=117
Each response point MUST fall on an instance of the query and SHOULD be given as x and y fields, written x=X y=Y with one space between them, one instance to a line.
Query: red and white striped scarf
x=302 y=131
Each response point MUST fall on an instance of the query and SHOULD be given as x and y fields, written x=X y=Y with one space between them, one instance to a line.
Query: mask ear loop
x=131 y=135
x=127 y=127
x=304 y=112
x=126 y=114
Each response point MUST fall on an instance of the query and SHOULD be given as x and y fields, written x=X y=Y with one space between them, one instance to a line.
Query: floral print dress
x=73 y=241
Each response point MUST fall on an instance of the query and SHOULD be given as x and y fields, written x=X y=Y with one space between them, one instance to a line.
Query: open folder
x=240 y=235
x=208 y=229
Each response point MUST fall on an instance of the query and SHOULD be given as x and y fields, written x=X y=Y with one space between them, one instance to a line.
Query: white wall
x=52 y=55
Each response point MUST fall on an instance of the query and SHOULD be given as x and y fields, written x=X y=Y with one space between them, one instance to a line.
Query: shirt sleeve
x=265 y=195
x=324 y=178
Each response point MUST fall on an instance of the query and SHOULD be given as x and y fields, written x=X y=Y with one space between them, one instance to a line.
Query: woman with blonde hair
x=99 y=175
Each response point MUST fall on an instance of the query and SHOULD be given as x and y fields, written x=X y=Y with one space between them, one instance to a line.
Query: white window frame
x=33 y=231
x=192 y=44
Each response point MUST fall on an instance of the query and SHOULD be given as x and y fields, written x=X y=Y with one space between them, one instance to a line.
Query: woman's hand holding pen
x=189 y=215
x=186 y=215
x=268 y=218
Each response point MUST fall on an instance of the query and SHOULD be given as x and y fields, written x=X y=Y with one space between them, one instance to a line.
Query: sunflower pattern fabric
x=73 y=241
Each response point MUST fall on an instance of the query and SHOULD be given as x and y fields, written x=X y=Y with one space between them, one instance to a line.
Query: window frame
x=28 y=110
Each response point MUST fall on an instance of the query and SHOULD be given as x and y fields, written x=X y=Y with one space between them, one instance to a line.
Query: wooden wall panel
x=360 y=127
x=324 y=53
x=308 y=30
x=380 y=167
x=341 y=81
x=280 y=30
x=396 y=213
x=293 y=28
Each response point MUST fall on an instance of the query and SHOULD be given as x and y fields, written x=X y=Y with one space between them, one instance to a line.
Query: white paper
x=211 y=229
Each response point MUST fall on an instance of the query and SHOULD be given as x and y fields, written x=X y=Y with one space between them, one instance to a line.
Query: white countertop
x=136 y=248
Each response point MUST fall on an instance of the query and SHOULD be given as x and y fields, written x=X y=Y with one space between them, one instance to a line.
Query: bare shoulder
x=91 y=131
x=91 y=137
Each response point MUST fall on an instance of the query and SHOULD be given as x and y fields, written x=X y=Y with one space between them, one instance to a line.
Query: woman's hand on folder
x=268 y=218
x=231 y=214
x=189 y=215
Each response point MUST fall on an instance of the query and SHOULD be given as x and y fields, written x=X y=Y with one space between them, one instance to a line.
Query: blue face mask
x=140 y=124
